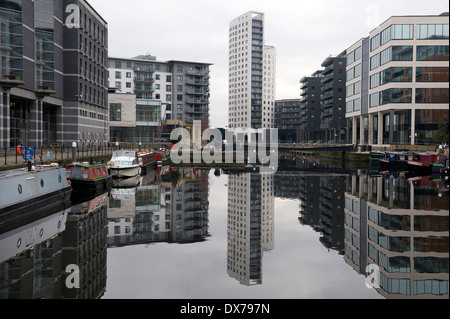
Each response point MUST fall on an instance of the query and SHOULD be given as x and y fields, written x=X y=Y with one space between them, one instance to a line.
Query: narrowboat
x=86 y=176
x=146 y=159
x=422 y=162
x=395 y=160
x=124 y=164
x=28 y=194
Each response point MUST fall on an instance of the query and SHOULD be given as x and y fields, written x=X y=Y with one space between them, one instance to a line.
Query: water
x=308 y=233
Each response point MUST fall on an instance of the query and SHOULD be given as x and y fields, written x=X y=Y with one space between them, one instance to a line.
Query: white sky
x=304 y=33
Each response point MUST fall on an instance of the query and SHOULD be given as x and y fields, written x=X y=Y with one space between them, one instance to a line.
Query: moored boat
x=146 y=159
x=86 y=176
x=27 y=194
x=124 y=164
x=422 y=162
x=395 y=160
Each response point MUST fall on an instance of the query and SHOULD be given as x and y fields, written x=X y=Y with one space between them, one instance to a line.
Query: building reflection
x=250 y=225
x=399 y=228
x=34 y=257
x=172 y=208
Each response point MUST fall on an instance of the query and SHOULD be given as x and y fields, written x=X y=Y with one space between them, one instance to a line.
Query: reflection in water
x=400 y=226
x=171 y=209
x=250 y=225
x=395 y=226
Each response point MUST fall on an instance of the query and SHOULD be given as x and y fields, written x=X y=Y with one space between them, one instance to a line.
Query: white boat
x=124 y=164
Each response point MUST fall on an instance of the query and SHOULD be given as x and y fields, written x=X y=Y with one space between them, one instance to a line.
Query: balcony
x=145 y=70
x=193 y=110
x=144 y=79
x=197 y=72
x=197 y=101
x=197 y=82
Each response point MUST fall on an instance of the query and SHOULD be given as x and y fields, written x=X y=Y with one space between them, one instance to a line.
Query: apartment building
x=310 y=98
x=252 y=74
x=397 y=82
x=171 y=93
x=53 y=73
x=332 y=104
x=250 y=225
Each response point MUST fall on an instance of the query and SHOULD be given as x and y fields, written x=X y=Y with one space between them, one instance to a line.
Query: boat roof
x=124 y=153
x=24 y=171
x=87 y=165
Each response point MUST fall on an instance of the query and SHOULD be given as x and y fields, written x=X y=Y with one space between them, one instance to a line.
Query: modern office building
x=172 y=93
x=398 y=230
x=53 y=73
x=252 y=73
x=332 y=104
x=397 y=83
x=310 y=98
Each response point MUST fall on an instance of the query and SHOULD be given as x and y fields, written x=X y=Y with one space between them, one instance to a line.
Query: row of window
x=404 y=95
x=405 y=74
x=406 y=32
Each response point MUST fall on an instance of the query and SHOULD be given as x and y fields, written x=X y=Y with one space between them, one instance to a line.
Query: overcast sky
x=304 y=33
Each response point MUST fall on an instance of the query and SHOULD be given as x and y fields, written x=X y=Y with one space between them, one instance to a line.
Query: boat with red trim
x=83 y=176
x=422 y=162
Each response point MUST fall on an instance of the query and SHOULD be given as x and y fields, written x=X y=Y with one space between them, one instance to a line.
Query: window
x=118 y=75
x=118 y=85
x=179 y=88
x=118 y=65
x=432 y=95
x=397 y=95
x=168 y=78
x=180 y=78
x=128 y=75
x=179 y=69
x=432 y=74
x=432 y=31
x=398 y=74
x=115 y=111
x=128 y=85
x=432 y=53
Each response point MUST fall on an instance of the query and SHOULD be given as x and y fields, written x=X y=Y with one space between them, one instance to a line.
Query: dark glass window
x=432 y=53
x=432 y=95
x=115 y=113
x=432 y=74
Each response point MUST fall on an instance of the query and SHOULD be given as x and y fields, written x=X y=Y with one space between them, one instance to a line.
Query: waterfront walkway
x=9 y=159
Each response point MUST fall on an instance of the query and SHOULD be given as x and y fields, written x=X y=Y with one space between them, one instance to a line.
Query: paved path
x=9 y=159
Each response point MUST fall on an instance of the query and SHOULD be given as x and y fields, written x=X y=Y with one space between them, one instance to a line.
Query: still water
x=306 y=232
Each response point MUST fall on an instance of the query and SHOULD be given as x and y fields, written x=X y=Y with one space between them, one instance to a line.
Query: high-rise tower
x=252 y=73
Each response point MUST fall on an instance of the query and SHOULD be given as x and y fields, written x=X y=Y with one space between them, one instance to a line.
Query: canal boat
x=146 y=160
x=127 y=182
x=27 y=194
x=87 y=176
x=422 y=162
x=124 y=164
x=395 y=160
x=23 y=235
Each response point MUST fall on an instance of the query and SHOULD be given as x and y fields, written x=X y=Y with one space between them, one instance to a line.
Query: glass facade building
x=52 y=73
x=403 y=98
